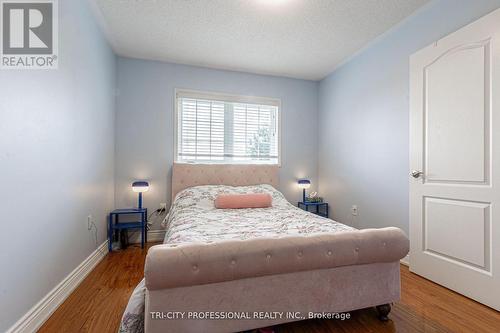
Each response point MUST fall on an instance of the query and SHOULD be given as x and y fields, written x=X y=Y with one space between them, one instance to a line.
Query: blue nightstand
x=115 y=224
x=319 y=208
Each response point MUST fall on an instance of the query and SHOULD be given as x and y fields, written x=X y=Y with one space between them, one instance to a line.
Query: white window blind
x=227 y=130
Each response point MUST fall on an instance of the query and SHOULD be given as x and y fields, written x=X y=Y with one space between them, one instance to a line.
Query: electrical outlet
x=163 y=205
x=89 y=222
x=354 y=210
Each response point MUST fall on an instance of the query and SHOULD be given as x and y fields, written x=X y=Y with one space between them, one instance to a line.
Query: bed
x=230 y=270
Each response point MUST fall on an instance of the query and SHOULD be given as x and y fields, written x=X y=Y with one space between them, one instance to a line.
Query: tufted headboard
x=185 y=175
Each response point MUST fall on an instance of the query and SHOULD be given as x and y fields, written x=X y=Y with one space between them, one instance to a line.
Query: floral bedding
x=194 y=218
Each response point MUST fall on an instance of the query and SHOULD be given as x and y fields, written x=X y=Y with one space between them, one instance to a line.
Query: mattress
x=193 y=217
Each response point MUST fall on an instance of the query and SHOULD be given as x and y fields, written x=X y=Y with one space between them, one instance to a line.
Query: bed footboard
x=174 y=266
x=288 y=297
x=290 y=277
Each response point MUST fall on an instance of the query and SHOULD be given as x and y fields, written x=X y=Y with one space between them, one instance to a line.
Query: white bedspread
x=194 y=218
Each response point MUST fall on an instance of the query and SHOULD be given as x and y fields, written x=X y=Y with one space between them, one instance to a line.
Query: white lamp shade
x=304 y=183
x=140 y=186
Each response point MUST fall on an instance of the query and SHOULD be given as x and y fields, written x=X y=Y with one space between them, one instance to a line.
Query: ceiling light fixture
x=273 y=2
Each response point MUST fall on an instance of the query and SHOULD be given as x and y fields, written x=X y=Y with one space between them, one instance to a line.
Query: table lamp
x=304 y=184
x=140 y=187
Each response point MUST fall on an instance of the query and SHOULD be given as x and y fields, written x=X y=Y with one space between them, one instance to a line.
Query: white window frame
x=227 y=98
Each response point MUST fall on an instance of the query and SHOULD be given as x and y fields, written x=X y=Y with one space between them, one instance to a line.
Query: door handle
x=416 y=174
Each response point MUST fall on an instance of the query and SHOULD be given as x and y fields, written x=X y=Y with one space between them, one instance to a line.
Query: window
x=213 y=128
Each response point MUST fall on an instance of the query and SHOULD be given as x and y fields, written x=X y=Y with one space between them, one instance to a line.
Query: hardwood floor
x=98 y=303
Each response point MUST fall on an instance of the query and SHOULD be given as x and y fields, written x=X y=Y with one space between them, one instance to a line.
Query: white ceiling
x=304 y=39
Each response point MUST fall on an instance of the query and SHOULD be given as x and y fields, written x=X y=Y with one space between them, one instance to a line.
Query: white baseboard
x=153 y=236
x=406 y=260
x=38 y=314
x=156 y=235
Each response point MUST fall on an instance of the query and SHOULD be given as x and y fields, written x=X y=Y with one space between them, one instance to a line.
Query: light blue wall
x=363 y=118
x=144 y=126
x=56 y=162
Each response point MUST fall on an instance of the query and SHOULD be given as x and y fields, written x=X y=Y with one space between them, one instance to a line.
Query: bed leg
x=383 y=311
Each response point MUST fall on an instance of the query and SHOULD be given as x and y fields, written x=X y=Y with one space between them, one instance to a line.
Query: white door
x=455 y=161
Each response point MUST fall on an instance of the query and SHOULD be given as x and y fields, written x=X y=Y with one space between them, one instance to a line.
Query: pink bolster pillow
x=251 y=200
